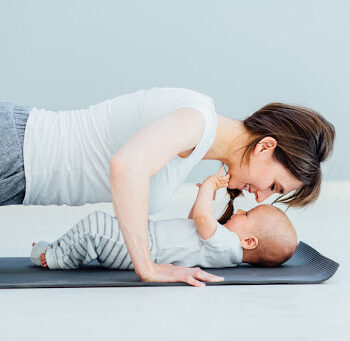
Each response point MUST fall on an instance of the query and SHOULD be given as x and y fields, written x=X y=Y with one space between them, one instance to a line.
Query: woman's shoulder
x=175 y=91
x=155 y=102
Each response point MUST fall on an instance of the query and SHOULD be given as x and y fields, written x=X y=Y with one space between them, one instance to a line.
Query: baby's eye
x=272 y=187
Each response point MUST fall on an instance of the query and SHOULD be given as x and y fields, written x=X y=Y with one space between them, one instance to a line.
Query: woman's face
x=264 y=175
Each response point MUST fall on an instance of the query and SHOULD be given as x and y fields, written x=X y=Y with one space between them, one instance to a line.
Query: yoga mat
x=307 y=266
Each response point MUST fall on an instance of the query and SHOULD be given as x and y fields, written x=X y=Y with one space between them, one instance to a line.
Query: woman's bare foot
x=42 y=258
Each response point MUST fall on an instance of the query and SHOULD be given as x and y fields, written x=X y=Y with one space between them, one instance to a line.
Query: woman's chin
x=235 y=186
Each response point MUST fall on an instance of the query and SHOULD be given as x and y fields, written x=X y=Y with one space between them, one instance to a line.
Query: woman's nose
x=260 y=196
x=240 y=211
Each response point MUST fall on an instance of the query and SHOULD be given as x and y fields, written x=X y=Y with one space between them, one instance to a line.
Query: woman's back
x=67 y=153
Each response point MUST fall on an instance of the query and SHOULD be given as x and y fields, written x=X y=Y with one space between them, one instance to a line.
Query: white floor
x=274 y=312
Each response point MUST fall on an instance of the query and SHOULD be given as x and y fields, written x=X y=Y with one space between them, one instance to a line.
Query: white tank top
x=67 y=153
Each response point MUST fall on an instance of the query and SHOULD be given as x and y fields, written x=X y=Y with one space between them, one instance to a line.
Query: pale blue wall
x=70 y=54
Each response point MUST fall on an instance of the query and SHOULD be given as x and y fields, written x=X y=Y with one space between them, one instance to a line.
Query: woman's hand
x=172 y=273
x=217 y=180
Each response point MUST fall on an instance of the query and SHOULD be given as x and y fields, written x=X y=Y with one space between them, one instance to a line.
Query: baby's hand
x=217 y=180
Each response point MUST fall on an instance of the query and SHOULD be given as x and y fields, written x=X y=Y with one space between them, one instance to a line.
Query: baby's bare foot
x=43 y=260
x=38 y=254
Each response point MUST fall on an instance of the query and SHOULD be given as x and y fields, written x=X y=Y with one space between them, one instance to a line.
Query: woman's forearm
x=130 y=196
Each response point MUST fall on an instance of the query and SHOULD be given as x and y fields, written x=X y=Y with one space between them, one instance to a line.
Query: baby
x=263 y=236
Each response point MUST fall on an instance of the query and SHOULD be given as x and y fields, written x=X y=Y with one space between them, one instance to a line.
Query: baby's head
x=267 y=236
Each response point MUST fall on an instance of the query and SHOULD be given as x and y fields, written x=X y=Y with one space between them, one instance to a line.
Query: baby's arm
x=190 y=215
x=203 y=208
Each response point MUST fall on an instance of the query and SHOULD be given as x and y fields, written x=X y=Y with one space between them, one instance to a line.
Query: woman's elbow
x=117 y=166
x=125 y=168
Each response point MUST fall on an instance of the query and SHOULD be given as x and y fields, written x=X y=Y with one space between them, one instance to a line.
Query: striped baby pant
x=97 y=236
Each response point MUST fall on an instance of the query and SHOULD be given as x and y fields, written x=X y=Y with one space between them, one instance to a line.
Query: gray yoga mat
x=307 y=266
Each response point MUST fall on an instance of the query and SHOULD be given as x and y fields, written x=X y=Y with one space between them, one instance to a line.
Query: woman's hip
x=13 y=119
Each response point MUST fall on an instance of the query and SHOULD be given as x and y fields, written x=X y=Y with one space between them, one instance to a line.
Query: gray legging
x=13 y=119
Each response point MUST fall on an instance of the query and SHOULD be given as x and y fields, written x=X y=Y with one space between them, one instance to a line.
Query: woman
x=137 y=149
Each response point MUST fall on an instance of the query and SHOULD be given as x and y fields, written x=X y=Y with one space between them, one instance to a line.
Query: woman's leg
x=97 y=236
x=13 y=119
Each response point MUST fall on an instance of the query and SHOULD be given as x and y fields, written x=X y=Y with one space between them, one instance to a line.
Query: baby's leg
x=112 y=251
x=96 y=236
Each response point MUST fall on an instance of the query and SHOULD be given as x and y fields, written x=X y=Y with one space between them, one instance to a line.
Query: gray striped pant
x=97 y=236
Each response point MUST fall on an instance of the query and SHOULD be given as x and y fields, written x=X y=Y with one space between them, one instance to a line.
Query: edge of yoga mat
x=307 y=266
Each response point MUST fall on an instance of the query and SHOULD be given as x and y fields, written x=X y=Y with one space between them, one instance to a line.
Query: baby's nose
x=240 y=211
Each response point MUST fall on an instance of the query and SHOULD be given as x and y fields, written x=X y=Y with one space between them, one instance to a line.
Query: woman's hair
x=304 y=140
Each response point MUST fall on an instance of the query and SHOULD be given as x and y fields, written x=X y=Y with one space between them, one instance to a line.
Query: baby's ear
x=249 y=243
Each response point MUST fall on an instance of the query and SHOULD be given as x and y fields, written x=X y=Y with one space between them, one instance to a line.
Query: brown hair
x=304 y=140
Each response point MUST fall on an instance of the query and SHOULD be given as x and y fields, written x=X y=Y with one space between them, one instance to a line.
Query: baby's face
x=244 y=222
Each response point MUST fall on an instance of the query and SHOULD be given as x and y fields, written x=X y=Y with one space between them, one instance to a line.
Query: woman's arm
x=146 y=153
x=203 y=208
x=190 y=215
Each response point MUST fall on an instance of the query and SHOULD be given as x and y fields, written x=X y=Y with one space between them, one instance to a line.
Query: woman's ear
x=249 y=243
x=266 y=144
